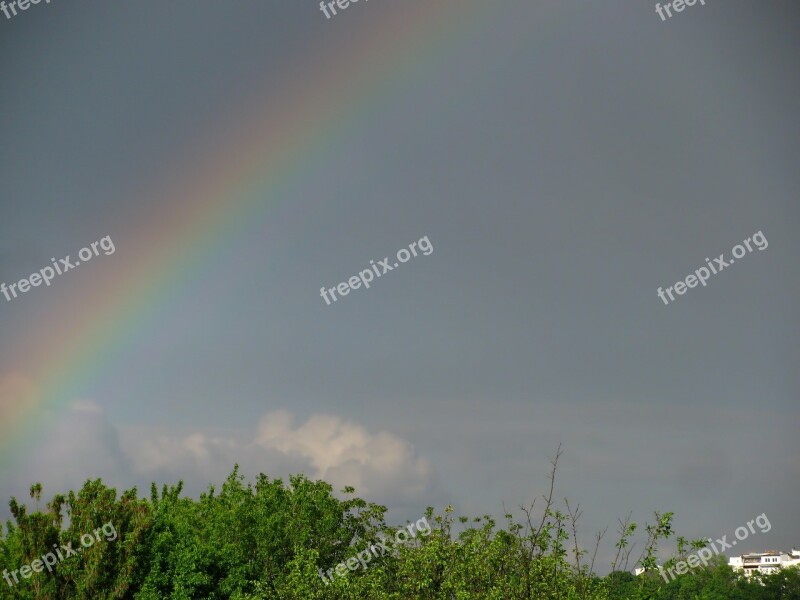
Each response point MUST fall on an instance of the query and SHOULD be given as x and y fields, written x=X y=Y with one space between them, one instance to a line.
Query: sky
x=564 y=159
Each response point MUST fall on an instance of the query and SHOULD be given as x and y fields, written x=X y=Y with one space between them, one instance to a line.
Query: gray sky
x=564 y=158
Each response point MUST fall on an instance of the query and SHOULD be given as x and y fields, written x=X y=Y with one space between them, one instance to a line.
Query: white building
x=765 y=562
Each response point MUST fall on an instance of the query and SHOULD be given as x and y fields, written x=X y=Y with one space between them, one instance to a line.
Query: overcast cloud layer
x=565 y=158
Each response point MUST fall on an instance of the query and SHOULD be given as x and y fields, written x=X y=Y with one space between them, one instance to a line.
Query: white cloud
x=85 y=444
x=81 y=444
x=345 y=453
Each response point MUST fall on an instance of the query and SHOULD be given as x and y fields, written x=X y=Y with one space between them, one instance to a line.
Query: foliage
x=269 y=540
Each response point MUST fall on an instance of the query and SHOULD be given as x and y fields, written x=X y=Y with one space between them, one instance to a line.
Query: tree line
x=271 y=539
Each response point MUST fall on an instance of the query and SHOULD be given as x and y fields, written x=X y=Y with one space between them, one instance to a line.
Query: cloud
x=81 y=444
x=84 y=444
x=347 y=454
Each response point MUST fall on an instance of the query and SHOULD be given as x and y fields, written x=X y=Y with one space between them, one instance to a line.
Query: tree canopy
x=272 y=539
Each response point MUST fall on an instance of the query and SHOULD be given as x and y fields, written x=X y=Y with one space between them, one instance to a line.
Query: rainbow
x=263 y=155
